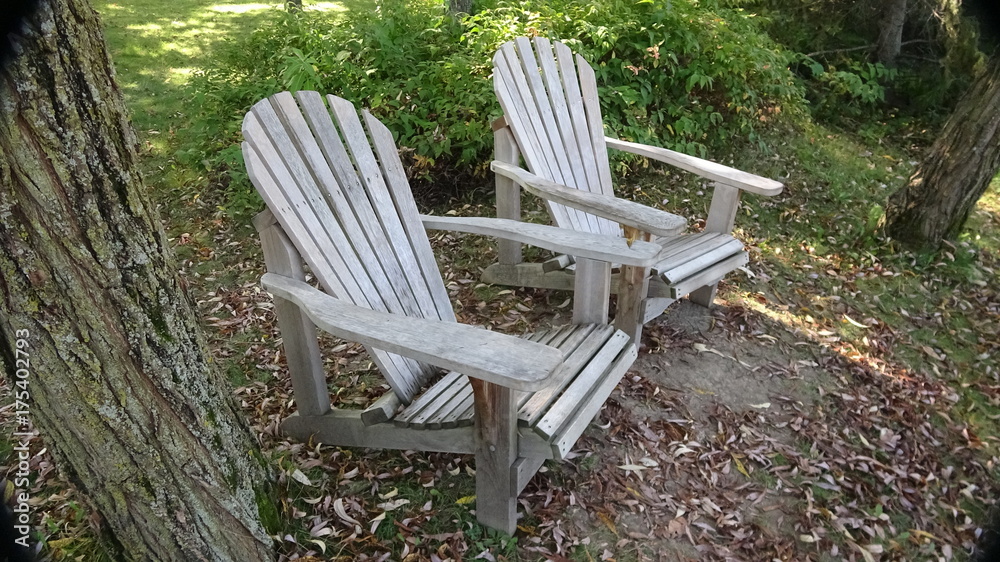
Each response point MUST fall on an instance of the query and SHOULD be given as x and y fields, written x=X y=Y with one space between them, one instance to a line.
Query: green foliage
x=676 y=74
x=857 y=91
x=834 y=42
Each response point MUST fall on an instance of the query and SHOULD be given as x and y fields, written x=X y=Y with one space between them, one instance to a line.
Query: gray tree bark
x=122 y=388
x=890 y=37
x=460 y=6
x=941 y=194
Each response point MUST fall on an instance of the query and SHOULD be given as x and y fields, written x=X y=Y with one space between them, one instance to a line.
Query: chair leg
x=496 y=478
x=704 y=296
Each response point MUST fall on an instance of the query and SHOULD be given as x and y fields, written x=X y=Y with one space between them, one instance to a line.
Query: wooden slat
x=591 y=103
x=578 y=116
x=585 y=412
x=344 y=428
x=461 y=413
x=522 y=117
x=444 y=416
x=429 y=284
x=268 y=172
x=582 y=387
x=676 y=245
x=326 y=262
x=702 y=260
x=551 y=113
x=581 y=244
x=428 y=400
x=560 y=110
x=536 y=92
x=679 y=254
x=521 y=109
x=376 y=212
x=535 y=407
x=372 y=248
x=710 y=275
x=515 y=114
x=311 y=206
x=320 y=236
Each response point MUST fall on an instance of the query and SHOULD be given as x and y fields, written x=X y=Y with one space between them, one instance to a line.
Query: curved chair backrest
x=337 y=187
x=549 y=99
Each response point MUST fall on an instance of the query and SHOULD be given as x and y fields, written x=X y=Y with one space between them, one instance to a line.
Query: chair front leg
x=633 y=284
x=496 y=479
x=721 y=218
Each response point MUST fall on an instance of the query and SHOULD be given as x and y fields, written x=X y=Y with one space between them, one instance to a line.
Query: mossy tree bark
x=941 y=194
x=122 y=389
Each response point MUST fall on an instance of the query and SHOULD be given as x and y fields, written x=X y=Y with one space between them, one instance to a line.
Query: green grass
x=156 y=47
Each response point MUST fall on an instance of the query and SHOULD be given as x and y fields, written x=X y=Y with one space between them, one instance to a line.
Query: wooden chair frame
x=552 y=120
x=529 y=399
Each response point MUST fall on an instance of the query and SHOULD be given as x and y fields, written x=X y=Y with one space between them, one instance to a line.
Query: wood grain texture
x=305 y=364
x=496 y=451
x=476 y=352
x=508 y=193
x=344 y=428
x=704 y=168
x=621 y=211
x=592 y=291
x=581 y=244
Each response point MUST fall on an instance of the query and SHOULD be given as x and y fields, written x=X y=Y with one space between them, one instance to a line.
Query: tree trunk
x=460 y=6
x=941 y=194
x=121 y=386
x=890 y=37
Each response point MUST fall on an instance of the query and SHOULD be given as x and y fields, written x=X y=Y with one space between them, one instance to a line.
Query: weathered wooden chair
x=338 y=200
x=552 y=117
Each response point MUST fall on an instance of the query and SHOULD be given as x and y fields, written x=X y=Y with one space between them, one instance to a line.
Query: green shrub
x=856 y=91
x=675 y=74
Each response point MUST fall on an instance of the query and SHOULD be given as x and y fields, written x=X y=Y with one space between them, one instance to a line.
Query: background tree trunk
x=890 y=37
x=460 y=6
x=956 y=172
x=121 y=386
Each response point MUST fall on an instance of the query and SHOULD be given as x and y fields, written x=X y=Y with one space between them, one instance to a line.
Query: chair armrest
x=704 y=168
x=498 y=358
x=622 y=211
x=612 y=249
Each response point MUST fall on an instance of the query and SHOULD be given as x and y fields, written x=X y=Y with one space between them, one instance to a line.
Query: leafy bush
x=674 y=74
x=854 y=92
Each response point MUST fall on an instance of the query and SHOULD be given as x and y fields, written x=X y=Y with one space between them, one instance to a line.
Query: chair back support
x=549 y=99
x=337 y=187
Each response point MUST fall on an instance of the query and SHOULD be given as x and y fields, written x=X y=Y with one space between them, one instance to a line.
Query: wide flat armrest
x=612 y=249
x=621 y=211
x=704 y=168
x=498 y=358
